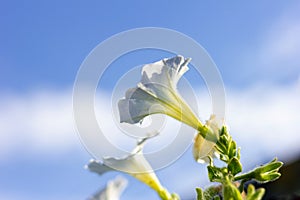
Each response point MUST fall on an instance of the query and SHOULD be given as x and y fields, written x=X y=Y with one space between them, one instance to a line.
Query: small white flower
x=112 y=191
x=157 y=93
x=136 y=165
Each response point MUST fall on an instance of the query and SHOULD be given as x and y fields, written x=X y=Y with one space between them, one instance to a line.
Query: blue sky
x=47 y=41
x=42 y=44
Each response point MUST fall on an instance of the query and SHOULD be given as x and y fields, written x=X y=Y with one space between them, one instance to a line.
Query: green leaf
x=263 y=174
x=250 y=190
x=271 y=176
x=212 y=192
x=253 y=194
x=268 y=172
x=234 y=166
x=232 y=149
x=274 y=165
x=226 y=146
x=230 y=192
x=200 y=195
x=238 y=153
x=215 y=174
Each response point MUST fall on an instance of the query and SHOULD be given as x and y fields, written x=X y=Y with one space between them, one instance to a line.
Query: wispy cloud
x=266 y=116
x=38 y=122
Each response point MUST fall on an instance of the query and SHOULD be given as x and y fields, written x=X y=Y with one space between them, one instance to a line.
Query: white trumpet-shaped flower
x=136 y=165
x=157 y=93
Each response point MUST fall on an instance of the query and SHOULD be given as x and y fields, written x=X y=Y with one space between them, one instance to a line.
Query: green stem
x=246 y=176
x=241 y=186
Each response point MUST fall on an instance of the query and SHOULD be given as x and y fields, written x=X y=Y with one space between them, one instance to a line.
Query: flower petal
x=112 y=191
x=132 y=163
x=204 y=148
x=137 y=105
x=97 y=167
x=135 y=164
x=166 y=73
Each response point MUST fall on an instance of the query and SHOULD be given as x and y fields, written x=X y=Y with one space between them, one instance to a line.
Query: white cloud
x=265 y=120
x=42 y=122
x=38 y=122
